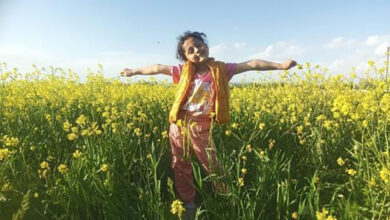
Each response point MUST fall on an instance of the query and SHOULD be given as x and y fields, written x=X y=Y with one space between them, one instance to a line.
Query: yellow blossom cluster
x=323 y=215
x=10 y=141
x=4 y=153
x=44 y=169
x=177 y=208
x=63 y=168
x=385 y=175
x=309 y=115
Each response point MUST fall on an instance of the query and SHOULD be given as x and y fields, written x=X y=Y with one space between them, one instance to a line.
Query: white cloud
x=218 y=50
x=356 y=53
x=337 y=64
x=339 y=42
x=239 y=45
x=280 y=50
x=381 y=49
x=20 y=54
x=372 y=40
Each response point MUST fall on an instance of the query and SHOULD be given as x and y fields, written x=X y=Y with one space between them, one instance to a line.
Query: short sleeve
x=230 y=70
x=176 y=72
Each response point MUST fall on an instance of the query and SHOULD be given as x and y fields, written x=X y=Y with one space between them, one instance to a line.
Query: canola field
x=310 y=145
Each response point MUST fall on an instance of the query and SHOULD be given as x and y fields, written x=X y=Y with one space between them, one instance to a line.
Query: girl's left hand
x=127 y=72
x=288 y=64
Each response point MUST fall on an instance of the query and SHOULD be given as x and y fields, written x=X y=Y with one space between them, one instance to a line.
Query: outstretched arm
x=263 y=65
x=147 y=70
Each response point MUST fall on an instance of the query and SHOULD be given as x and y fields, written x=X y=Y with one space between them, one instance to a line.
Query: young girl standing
x=202 y=97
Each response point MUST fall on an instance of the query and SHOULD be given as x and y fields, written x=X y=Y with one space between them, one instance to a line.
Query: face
x=195 y=50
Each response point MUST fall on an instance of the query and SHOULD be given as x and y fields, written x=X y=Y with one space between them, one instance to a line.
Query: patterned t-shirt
x=200 y=99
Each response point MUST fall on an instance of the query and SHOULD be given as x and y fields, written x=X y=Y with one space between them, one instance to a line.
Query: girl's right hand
x=127 y=72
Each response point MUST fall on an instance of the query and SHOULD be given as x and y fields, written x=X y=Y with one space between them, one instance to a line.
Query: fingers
x=126 y=72
x=291 y=63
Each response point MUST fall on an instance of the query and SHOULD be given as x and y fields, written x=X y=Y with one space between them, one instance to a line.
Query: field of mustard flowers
x=310 y=145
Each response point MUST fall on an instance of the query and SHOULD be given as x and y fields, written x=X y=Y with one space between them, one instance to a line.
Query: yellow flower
x=104 y=167
x=85 y=132
x=77 y=154
x=75 y=129
x=324 y=215
x=321 y=118
x=261 y=152
x=177 y=208
x=164 y=134
x=106 y=114
x=261 y=126
x=6 y=187
x=4 y=153
x=340 y=161
x=71 y=136
x=300 y=129
x=243 y=158
x=228 y=132
x=10 y=141
x=44 y=165
x=138 y=132
x=58 y=117
x=67 y=126
x=36 y=195
x=249 y=148
x=62 y=168
x=385 y=175
x=271 y=144
x=241 y=182
x=355 y=116
x=244 y=171
x=351 y=172
x=372 y=182
x=48 y=117
x=294 y=215
x=115 y=127
x=328 y=124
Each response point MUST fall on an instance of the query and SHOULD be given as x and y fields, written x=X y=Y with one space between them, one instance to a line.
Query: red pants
x=192 y=137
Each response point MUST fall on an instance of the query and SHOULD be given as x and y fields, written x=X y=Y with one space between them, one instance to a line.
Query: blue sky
x=118 y=34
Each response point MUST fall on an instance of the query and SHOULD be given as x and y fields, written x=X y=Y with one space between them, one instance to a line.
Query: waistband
x=188 y=116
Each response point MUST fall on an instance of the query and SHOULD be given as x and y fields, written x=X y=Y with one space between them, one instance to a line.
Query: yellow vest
x=219 y=73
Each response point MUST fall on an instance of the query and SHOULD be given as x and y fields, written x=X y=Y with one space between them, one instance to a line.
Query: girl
x=202 y=97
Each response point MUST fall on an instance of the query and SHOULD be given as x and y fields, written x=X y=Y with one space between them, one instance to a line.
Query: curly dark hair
x=188 y=34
